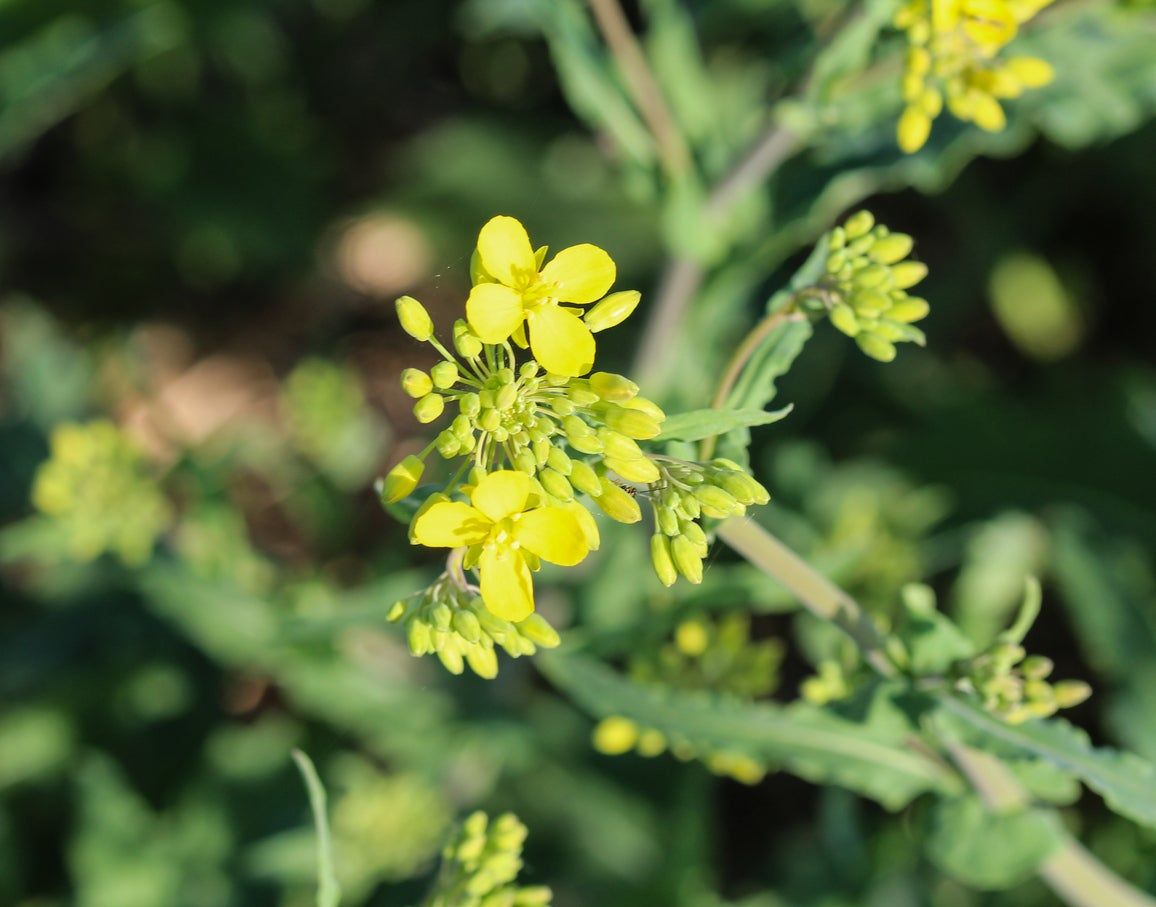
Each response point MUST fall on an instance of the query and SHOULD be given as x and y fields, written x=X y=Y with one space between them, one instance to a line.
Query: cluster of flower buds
x=1015 y=687
x=449 y=620
x=953 y=45
x=867 y=282
x=480 y=866
x=703 y=654
x=829 y=684
x=97 y=491
x=683 y=493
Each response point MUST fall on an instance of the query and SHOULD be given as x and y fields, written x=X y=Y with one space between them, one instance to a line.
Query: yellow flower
x=506 y=531
x=516 y=288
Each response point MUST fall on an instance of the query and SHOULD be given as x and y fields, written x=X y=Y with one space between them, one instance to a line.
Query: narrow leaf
x=706 y=423
x=328 y=891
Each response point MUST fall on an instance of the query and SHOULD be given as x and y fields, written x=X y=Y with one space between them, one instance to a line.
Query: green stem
x=1076 y=877
x=817 y=593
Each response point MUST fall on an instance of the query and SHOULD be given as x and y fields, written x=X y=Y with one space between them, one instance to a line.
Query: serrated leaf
x=987 y=850
x=870 y=756
x=706 y=423
x=1125 y=781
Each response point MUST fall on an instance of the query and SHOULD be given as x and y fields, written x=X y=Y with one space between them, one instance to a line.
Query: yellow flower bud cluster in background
x=535 y=445
x=480 y=867
x=1014 y=686
x=865 y=288
x=451 y=622
x=95 y=487
x=952 y=60
x=704 y=654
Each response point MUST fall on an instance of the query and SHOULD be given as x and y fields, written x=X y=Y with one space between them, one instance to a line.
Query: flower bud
x=615 y=735
x=429 y=408
x=444 y=375
x=414 y=319
x=612 y=310
x=1069 y=693
x=660 y=557
x=483 y=661
x=876 y=347
x=584 y=478
x=448 y=444
x=715 y=498
x=466 y=342
x=908 y=309
x=524 y=461
x=614 y=388
x=859 y=224
x=618 y=446
x=843 y=317
x=892 y=248
x=649 y=407
x=908 y=273
x=617 y=504
x=630 y=422
x=640 y=470
x=557 y=460
x=451 y=657
x=686 y=559
x=400 y=481
x=416 y=383
x=555 y=483
x=535 y=629
x=418 y=637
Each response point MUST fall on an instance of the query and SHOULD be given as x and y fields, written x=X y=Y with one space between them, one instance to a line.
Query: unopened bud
x=660 y=557
x=615 y=735
x=416 y=383
x=617 y=504
x=584 y=478
x=444 y=375
x=429 y=408
x=614 y=388
x=466 y=342
x=400 y=481
x=612 y=310
x=414 y=319
x=686 y=559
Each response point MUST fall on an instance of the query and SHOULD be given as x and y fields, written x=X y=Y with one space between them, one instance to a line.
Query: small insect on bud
x=414 y=319
x=401 y=480
x=612 y=311
x=640 y=469
x=617 y=504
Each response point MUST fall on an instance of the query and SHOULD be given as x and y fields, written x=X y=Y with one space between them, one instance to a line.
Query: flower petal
x=450 y=524
x=560 y=341
x=554 y=534
x=494 y=311
x=506 y=585
x=506 y=253
x=502 y=493
x=582 y=274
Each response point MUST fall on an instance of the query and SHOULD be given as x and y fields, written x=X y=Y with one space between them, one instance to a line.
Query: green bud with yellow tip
x=429 y=408
x=400 y=481
x=612 y=310
x=614 y=388
x=414 y=319
x=584 y=478
x=686 y=559
x=444 y=375
x=466 y=342
x=617 y=504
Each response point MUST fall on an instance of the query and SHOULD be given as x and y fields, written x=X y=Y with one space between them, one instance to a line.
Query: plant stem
x=738 y=361
x=1077 y=877
x=642 y=85
x=817 y=593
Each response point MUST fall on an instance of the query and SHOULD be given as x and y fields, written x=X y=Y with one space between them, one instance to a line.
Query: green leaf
x=1125 y=781
x=328 y=890
x=933 y=642
x=706 y=423
x=1029 y=611
x=870 y=756
x=988 y=850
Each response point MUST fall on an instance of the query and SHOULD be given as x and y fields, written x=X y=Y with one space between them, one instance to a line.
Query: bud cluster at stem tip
x=480 y=867
x=865 y=288
x=1014 y=685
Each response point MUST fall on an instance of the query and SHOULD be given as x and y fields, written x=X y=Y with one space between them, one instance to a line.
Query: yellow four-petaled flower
x=506 y=529
x=516 y=289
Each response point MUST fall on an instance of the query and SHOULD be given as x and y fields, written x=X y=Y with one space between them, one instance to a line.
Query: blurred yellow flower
x=513 y=288
x=506 y=531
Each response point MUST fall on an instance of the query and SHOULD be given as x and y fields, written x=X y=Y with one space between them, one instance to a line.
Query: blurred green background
x=207 y=210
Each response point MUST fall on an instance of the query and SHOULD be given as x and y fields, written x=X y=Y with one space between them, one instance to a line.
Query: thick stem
x=818 y=594
x=642 y=85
